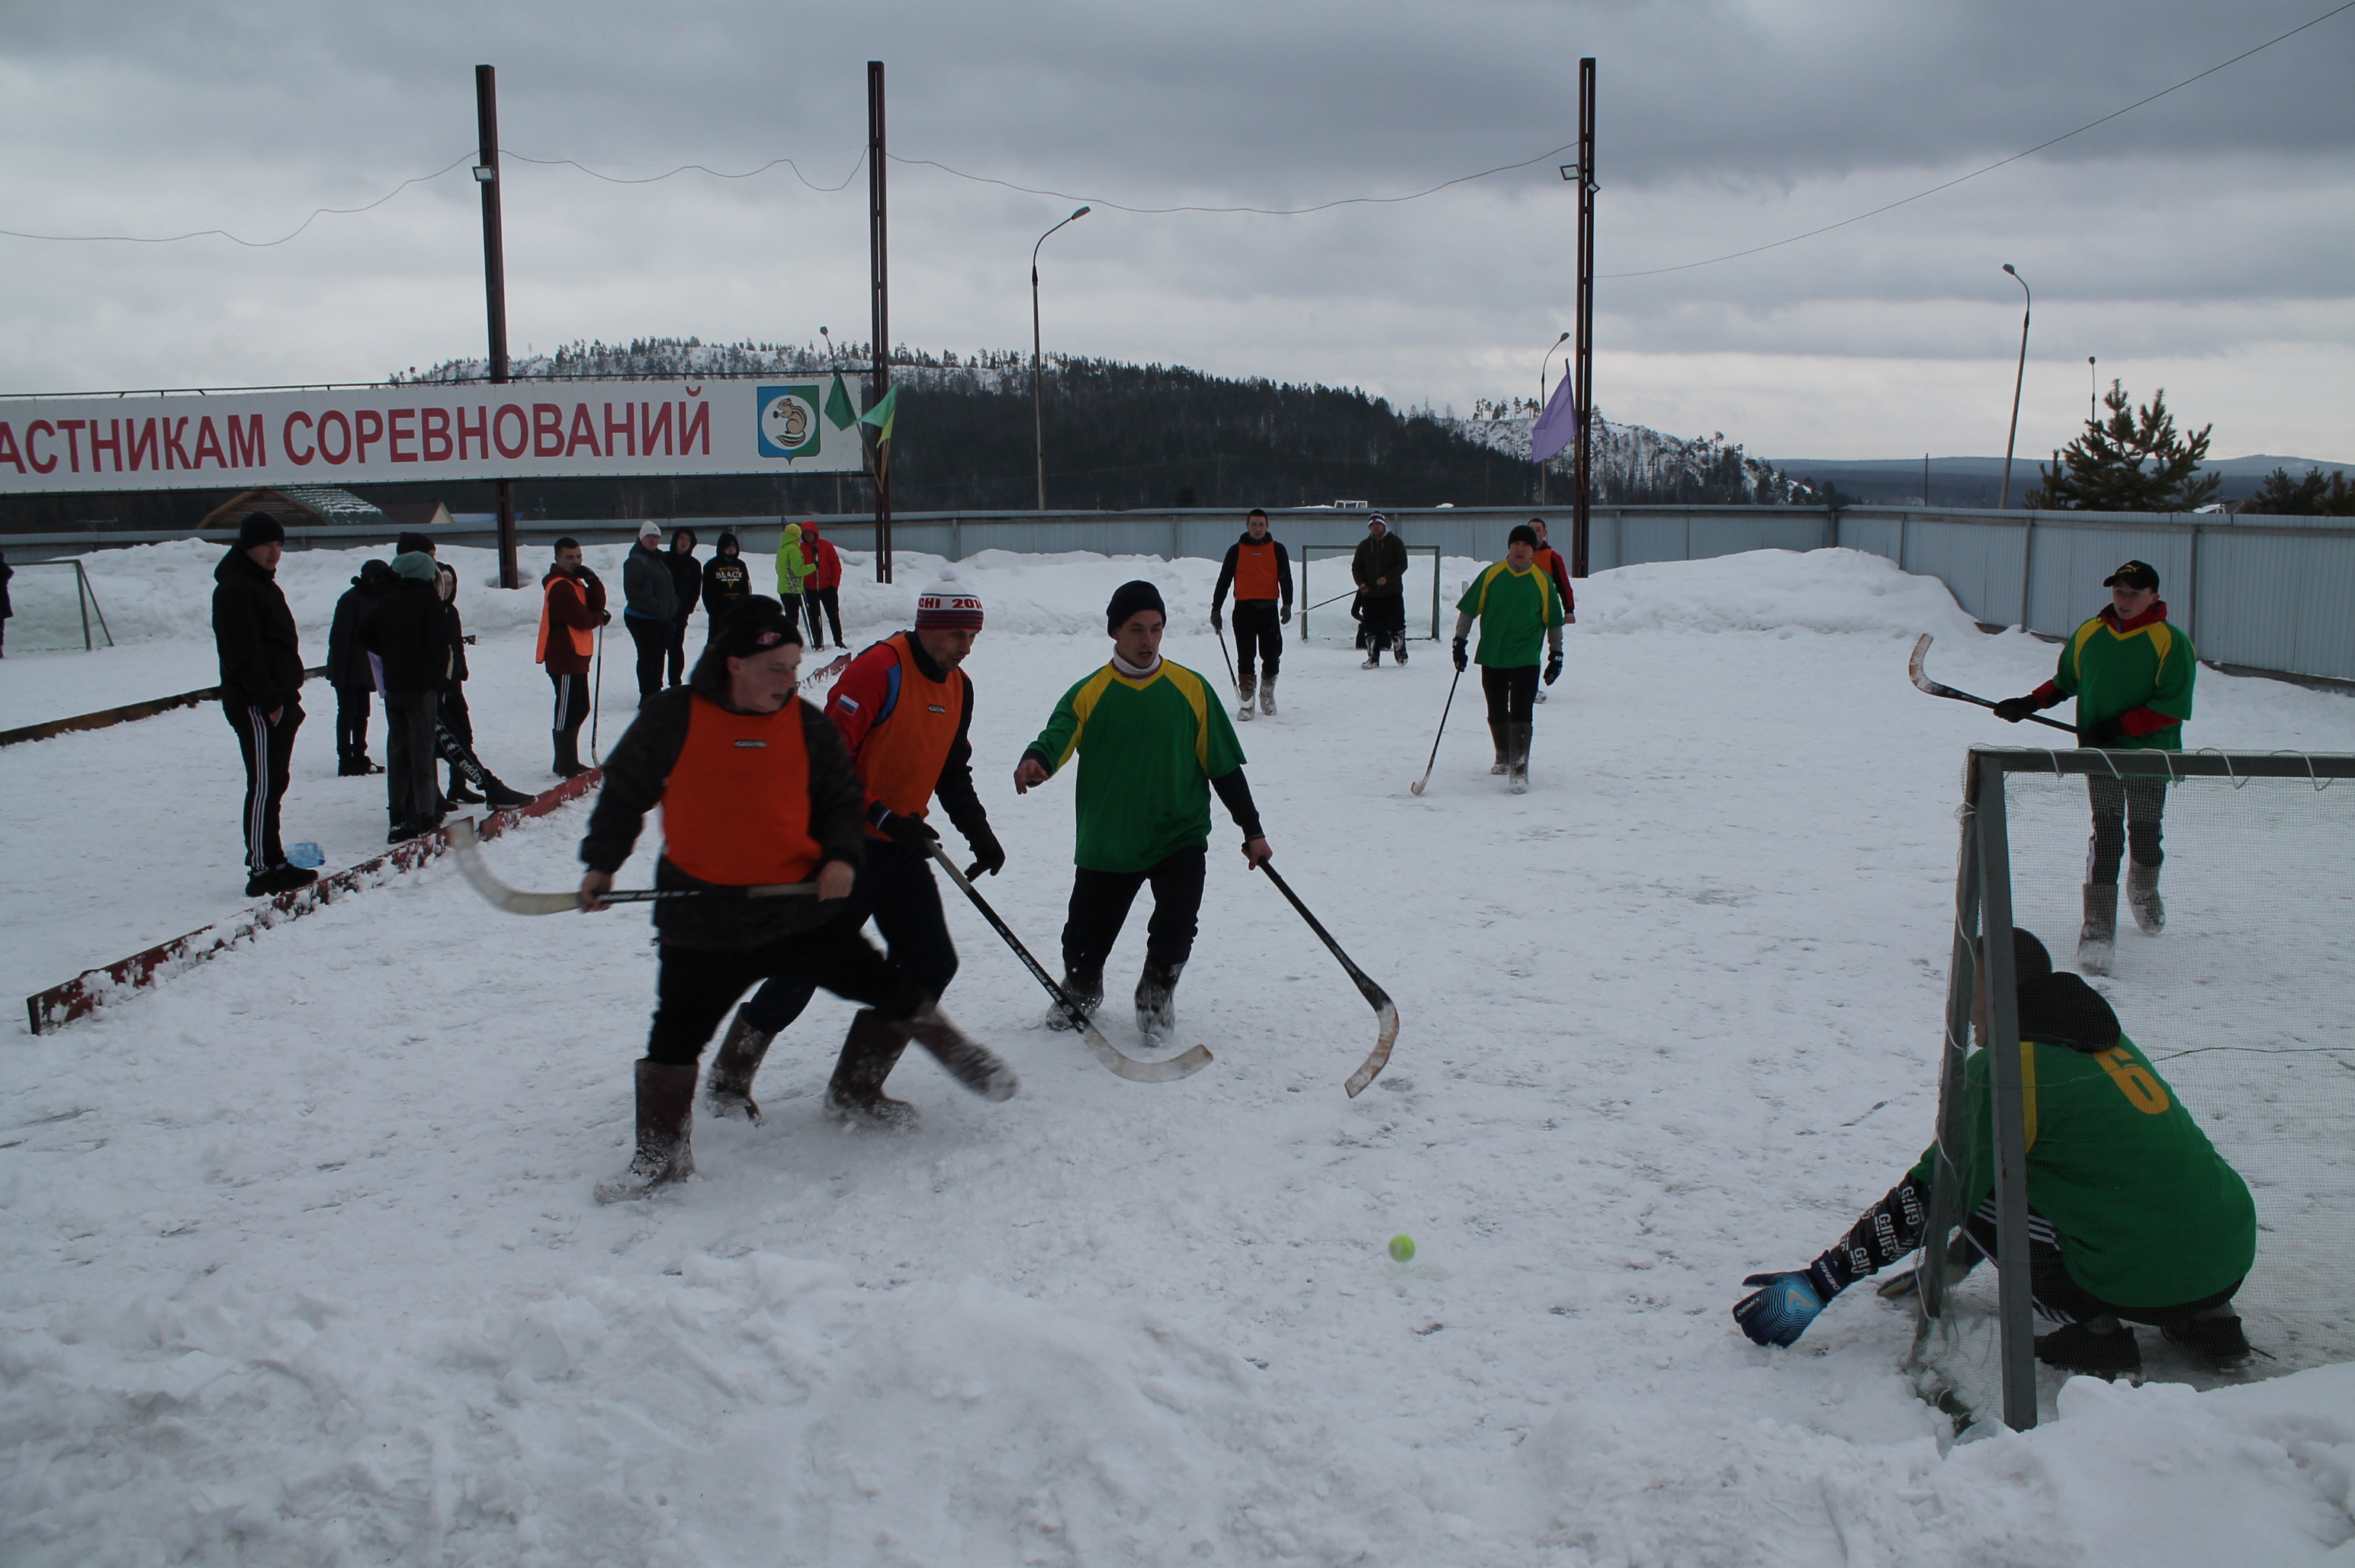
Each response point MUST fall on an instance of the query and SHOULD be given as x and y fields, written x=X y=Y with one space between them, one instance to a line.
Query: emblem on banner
x=787 y=419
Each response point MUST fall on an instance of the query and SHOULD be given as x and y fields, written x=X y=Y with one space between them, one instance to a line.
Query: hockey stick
x=1417 y=786
x=1183 y=1065
x=1219 y=631
x=1923 y=681
x=596 y=696
x=466 y=847
x=1385 y=1011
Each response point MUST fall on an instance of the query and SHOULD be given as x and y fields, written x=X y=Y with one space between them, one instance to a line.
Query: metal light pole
x=879 y=284
x=1037 y=395
x=1542 y=401
x=2004 y=502
x=495 y=291
x=2092 y=392
x=1584 y=394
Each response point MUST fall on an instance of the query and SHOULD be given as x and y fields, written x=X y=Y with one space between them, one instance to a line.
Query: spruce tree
x=2312 y=497
x=2134 y=461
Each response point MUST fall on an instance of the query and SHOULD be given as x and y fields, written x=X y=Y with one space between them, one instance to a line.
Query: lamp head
x=2007 y=267
x=1079 y=214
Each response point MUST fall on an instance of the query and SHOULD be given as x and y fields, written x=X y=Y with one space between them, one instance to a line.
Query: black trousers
x=572 y=702
x=2125 y=811
x=2059 y=1298
x=1385 y=620
x=351 y=722
x=269 y=752
x=696 y=987
x=1512 y=693
x=830 y=601
x=895 y=889
x=1098 y=907
x=412 y=790
x=675 y=653
x=1259 y=634
x=653 y=638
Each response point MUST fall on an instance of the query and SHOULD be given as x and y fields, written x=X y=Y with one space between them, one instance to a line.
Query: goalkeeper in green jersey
x=1152 y=744
x=2133 y=1215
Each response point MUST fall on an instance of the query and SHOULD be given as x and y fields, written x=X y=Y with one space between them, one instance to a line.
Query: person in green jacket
x=1517 y=607
x=1152 y=744
x=794 y=571
x=2133 y=1215
x=2131 y=673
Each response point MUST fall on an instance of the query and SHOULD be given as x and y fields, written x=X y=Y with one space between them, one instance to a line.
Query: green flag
x=837 y=405
x=881 y=415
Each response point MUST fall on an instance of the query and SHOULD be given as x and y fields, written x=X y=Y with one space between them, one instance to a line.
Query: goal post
x=56 y=609
x=2241 y=1003
x=1340 y=588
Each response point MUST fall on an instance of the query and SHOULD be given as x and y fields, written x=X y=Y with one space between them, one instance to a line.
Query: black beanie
x=259 y=527
x=754 y=626
x=2030 y=961
x=1522 y=534
x=1128 y=599
x=2061 y=1009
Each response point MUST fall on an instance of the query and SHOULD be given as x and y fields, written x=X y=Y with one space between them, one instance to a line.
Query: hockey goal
x=1333 y=612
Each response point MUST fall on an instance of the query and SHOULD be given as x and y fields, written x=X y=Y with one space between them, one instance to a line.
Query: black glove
x=2108 y=732
x=1553 y=669
x=908 y=832
x=1285 y=618
x=1217 y=623
x=988 y=854
x=1463 y=660
x=2012 y=710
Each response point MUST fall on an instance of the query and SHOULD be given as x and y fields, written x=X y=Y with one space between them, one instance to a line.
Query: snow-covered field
x=304 y=1267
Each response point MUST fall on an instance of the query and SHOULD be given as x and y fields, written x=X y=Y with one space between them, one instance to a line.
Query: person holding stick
x=1259 y=569
x=904 y=708
x=756 y=790
x=1152 y=746
x=1517 y=608
x=572 y=606
x=1378 y=568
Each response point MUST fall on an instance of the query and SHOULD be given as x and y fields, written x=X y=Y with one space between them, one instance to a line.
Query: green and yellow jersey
x=2112 y=671
x=1515 y=607
x=1147 y=748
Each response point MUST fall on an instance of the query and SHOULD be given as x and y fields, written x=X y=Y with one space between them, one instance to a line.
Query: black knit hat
x=756 y=625
x=259 y=527
x=2061 y=1009
x=1522 y=534
x=413 y=544
x=1128 y=599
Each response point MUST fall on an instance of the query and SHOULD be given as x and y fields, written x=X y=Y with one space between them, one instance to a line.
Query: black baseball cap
x=2133 y=574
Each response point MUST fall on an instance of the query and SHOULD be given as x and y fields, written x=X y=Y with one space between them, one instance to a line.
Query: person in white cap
x=1379 y=569
x=649 y=605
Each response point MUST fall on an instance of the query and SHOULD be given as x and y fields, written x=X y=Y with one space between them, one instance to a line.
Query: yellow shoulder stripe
x=1189 y=686
x=1082 y=704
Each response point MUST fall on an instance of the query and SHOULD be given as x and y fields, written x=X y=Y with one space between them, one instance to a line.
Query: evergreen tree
x=2133 y=461
x=2312 y=497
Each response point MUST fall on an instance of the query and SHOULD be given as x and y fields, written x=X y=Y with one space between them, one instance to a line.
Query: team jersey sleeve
x=1056 y=742
x=1224 y=753
x=1227 y=577
x=857 y=697
x=2065 y=673
x=2172 y=694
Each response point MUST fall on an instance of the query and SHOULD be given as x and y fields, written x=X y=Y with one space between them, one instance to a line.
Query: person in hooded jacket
x=571 y=609
x=794 y=570
x=408 y=638
x=649 y=605
x=348 y=670
x=727 y=582
x=260 y=691
x=470 y=783
x=687 y=587
x=824 y=591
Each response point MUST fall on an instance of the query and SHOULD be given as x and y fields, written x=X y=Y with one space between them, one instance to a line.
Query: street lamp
x=2019 y=375
x=1541 y=397
x=1037 y=396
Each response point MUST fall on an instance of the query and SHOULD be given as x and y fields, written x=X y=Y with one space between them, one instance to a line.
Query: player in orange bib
x=757 y=794
x=904 y=708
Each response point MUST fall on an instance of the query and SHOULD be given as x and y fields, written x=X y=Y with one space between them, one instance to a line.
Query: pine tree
x=2133 y=461
x=2312 y=497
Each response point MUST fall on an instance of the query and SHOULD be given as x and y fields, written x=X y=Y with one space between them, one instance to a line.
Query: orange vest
x=736 y=805
x=584 y=642
x=1255 y=569
x=900 y=761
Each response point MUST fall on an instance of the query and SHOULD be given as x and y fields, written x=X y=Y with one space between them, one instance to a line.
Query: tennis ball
x=1402 y=1248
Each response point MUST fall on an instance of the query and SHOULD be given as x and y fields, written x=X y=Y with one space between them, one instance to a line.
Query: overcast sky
x=2201 y=242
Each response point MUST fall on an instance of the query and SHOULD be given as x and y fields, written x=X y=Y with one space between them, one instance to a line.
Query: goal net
x=55 y=609
x=2244 y=1005
x=1325 y=596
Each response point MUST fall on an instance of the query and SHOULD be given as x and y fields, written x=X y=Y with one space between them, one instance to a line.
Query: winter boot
x=1157 y=999
x=728 y=1093
x=1267 y=695
x=2142 y=898
x=2214 y=1337
x=1399 y=651
x=869 y=1051
x=501 y=796
x=2102 y=1347
x=567 y=763
x=1243 y=691
x=1503 y=756
x=458 y=793
x=2097 y=943
x=968 y=1062
x=1084 y=986
x=666 y=1114
x=1374 y=651
x=1520 y=759
x=279 y=879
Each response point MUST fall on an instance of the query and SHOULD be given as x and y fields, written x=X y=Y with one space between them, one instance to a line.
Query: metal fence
x=2270 y=594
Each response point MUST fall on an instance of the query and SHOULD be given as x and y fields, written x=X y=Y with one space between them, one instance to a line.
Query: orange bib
x=900 y=759
x=736 y=805
x=584 y=642
x=1255 y=570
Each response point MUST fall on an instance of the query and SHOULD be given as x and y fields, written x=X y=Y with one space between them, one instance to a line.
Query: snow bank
x=1771 y=591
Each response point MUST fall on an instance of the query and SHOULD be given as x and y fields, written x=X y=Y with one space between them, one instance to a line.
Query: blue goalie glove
x=1781 y=1312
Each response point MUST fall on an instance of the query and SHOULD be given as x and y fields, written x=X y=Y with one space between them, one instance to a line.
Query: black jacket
x=409 y=631
x=1383 y=556
x=647 y=590
x=454 y=630
x=636 y=772
x=727 y=582
x=348 y=665
x=686 y=581
x=260 y=653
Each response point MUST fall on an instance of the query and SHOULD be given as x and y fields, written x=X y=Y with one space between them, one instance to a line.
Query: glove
x=2012 y=710
x=2108 y=732
x=1553 y=669
x=1285 y=618
x=988 y=854
x=908 y=832
x=1781 y=1312
x=1463 y=660
x=1218 y=624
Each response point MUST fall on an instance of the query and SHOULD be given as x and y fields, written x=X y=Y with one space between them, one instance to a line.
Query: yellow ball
x=1402 y=1248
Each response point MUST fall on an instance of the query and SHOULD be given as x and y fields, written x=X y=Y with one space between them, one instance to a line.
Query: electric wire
x=1264 y=211
x=249 y=244
x=856 y=165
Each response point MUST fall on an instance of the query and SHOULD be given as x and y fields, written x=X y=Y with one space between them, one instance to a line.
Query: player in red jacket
x=824 y=593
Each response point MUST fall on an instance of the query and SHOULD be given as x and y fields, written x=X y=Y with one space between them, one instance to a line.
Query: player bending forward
x=756 y=790
x=1153 y=743
x=2132 y=1216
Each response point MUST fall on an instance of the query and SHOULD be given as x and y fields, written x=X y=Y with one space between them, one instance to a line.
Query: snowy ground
x=305 y=1268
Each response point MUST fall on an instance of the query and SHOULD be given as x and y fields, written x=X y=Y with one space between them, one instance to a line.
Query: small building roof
x=300 y=506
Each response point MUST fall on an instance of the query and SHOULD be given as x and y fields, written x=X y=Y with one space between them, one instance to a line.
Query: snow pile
x=1771 y=591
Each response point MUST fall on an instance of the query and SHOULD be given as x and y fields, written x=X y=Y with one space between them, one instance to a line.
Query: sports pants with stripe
x=269 y=752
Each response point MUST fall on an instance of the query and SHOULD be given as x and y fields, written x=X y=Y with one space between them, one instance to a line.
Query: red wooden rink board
x=93 y=988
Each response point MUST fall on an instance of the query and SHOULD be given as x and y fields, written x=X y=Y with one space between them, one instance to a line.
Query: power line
x=1949 y=184
x=1265 y=211
x=857 y=163
x=253 y=244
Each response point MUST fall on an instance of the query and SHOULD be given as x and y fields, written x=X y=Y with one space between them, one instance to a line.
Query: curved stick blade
x=1386 y=1020
x=1136 y=1070
x=1914 y=666
x=466 y=849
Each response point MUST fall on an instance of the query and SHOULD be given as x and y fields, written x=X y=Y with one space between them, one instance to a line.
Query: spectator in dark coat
x=348 y=671
x=649 y=604
x=1378 y=568
x=470 y=783
x=408 y=638
x=260 y=692
x=686 y=586
x=727 y=582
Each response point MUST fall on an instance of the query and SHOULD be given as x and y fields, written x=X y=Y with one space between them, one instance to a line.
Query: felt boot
x=869 y=1051
x=728 y=1093
x=666 y=1114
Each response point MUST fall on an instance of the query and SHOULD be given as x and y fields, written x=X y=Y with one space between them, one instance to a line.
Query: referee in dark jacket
x=260 y=692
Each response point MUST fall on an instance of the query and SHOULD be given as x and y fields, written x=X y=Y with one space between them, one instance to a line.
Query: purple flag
x=1555 y=426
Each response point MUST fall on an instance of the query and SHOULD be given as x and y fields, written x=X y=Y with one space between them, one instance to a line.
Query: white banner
x=425 y=431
